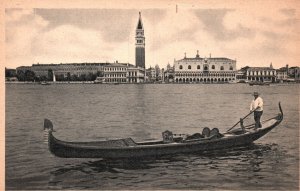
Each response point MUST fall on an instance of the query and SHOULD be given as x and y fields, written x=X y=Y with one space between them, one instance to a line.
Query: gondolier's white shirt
x=258 y=102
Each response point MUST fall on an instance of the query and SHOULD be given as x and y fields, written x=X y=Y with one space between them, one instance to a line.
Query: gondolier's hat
x=255 y=94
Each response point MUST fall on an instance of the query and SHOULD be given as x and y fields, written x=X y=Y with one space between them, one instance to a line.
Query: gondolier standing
x=257 y=106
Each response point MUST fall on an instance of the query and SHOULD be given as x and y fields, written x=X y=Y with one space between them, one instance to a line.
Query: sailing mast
x=54 y=79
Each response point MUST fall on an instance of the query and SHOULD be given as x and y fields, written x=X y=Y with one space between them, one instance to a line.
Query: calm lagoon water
x=83 y=112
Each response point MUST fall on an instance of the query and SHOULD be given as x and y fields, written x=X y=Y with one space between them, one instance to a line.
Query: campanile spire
x=140 y=44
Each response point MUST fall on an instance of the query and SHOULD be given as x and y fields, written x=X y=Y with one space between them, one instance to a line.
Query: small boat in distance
x=45 y=83
x=170 y=144
x=99 y=80
x=232 y=82
x=48 y=83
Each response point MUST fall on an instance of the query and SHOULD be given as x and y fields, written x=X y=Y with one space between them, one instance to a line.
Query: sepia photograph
x=148 y=95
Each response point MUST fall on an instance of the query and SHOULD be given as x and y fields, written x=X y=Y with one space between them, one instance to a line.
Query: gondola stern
x=278 y=119
x=280 y=115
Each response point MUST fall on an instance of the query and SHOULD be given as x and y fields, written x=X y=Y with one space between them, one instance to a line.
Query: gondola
x=170 y=143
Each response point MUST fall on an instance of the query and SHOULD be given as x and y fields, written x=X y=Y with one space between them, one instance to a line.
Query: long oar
x=242 y=119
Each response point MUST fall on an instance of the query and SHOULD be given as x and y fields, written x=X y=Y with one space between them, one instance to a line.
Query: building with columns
x=140 y=44
x=204 y=70
x=294 y=73
x=261 y=74
x=282 y=74
x=122 y=73
x=135 y=74
x=168 y=74
x=151 y=74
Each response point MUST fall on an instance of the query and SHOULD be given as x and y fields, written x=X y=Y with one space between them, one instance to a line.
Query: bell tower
x=140 y=44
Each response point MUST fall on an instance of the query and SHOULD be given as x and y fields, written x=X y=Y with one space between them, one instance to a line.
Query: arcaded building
x=204 y=70
x=262 y=74
x=123 y=73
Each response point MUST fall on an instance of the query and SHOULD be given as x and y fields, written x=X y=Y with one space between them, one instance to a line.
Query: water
x=83 y=112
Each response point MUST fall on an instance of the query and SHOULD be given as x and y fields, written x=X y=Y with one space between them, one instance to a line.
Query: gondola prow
x=48 y=128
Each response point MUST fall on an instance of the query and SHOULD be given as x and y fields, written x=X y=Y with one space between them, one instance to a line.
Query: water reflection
x=103 y=166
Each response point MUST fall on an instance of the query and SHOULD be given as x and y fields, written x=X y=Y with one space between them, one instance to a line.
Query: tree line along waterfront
x=30 y=76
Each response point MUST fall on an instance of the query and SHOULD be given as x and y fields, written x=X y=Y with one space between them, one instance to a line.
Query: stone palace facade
x=204 y=70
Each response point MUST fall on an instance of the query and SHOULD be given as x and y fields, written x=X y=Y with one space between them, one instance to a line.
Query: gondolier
x=256 y=106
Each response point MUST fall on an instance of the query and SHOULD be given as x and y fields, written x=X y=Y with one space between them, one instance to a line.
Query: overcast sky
x=251 y=36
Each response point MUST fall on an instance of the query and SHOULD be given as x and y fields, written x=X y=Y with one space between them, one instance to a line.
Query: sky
x=253 y=35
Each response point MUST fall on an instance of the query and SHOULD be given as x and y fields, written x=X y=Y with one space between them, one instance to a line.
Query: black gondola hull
x=77 y=150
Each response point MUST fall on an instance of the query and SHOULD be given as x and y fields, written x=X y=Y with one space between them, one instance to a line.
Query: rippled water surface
x=86 y=112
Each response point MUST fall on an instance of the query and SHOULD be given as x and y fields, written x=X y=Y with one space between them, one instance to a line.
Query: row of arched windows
x=261 y=72
x=203 y=80
x=205 y=67
x=115 y=80
x=205 y=74
x=116 y=75
x=132 y=73
x=115 y=69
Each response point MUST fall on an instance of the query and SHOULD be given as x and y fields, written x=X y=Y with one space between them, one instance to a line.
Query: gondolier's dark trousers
x=257 y=115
